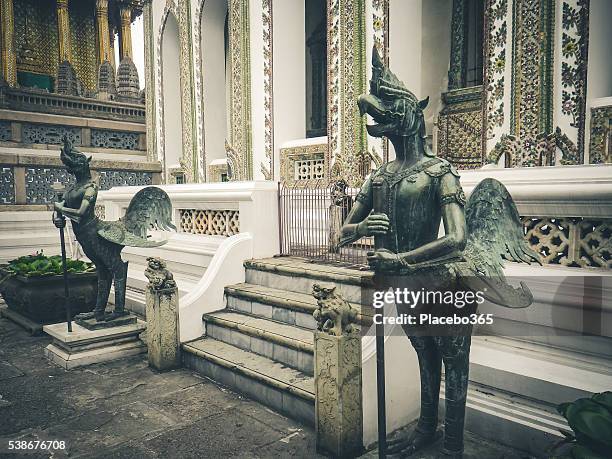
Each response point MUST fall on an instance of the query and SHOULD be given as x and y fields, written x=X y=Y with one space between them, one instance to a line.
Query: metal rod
x=60 y=224
x=378 y=204
x=380 y=391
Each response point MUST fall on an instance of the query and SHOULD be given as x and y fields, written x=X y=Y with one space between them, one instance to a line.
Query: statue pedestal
x=338 y=405
x=86 y=347
x=163 y=329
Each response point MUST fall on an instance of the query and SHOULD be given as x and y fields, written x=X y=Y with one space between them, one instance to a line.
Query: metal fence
x=311 y=217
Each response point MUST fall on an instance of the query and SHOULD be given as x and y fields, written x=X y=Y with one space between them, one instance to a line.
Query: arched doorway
x=171 y=90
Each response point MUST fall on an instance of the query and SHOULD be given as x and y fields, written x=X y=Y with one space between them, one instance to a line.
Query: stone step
x=535 y=371
x=286 y=344
x=505 y=418
x=281 y=388
x=298 y=275
x=289 y=307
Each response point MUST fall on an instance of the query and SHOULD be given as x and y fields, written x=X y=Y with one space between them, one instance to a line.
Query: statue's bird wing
x=117 y=232
x=150 y=208
x=495 y=234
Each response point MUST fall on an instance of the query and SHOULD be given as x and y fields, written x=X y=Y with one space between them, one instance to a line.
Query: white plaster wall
x=435 y=56
x=213 y=70
x=403 y=396
x=289 y=74
x=171 y=90
x=599 y=73
x=405 y=43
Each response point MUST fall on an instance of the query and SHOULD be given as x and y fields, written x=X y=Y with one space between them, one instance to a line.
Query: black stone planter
x=41 y=299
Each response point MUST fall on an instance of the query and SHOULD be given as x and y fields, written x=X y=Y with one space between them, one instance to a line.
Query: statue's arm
x=76 y=214
x=360 y=222
x=350 y=229
x=453 y=219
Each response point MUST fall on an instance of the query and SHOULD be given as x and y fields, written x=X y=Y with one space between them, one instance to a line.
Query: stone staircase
x=262 y=344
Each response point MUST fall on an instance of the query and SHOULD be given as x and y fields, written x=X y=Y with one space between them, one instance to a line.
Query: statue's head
x=396 y=110
x=323 y=291
x=76 y=162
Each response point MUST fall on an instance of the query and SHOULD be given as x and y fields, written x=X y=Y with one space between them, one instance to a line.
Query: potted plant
x=33 y=287
x=591 y=422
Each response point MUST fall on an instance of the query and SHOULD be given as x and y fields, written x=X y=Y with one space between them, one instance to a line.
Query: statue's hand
x=384 y=260
x=374 y=225
x=58 y=206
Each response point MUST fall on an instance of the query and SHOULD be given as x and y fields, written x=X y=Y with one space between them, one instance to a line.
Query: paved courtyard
x=124 y=409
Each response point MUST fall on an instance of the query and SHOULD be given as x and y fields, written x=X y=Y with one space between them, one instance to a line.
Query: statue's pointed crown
x=384 y=81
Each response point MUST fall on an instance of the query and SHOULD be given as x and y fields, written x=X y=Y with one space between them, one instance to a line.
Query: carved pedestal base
x=163 y=328
x=85 y=347
x=338 y=406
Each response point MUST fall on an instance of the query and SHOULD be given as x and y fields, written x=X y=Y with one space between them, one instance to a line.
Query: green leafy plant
x=591 y=422
x=42 y=265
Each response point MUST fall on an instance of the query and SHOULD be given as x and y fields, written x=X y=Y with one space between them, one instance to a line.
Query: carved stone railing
x=27 y=179
x=571 y=241
x=566 y=210
x=209 y=222
x=44 y=102
x=248 y=207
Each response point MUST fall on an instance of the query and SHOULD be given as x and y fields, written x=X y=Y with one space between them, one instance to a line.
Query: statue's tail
x=495 y=234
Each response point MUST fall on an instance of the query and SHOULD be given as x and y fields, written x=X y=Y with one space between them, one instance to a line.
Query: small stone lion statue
x=159 y=276
x=334 y=315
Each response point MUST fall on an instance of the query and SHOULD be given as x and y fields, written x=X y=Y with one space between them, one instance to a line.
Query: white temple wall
x=435 y=52
x=213 y=62
x=171 y=95
x=289 y=75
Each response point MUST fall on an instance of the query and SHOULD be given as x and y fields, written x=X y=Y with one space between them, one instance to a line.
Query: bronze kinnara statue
x=103 y=241
x=418 y=191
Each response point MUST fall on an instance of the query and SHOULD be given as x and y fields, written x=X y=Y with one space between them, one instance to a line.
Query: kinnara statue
x=103 y=241
x=401 y=205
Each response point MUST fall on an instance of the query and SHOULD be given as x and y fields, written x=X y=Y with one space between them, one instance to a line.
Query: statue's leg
x=430 y=366
x=456 y=355
x=104 y=284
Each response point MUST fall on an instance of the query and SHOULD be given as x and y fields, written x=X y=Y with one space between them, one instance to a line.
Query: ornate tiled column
x=346 y=81
x=458 y=59
x=63 y=31
x=9 y=60
x=241 y=161
x=125 y=33
x=150 y=102
x=104 y=48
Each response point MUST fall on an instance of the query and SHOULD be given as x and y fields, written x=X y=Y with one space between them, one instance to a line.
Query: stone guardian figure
x=419 y=191
x=103 y=241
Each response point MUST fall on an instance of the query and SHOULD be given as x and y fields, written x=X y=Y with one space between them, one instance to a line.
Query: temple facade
x=511 y=83
x=60 y=77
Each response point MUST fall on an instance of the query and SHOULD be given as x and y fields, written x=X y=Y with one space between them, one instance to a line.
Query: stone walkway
x=125 y=410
